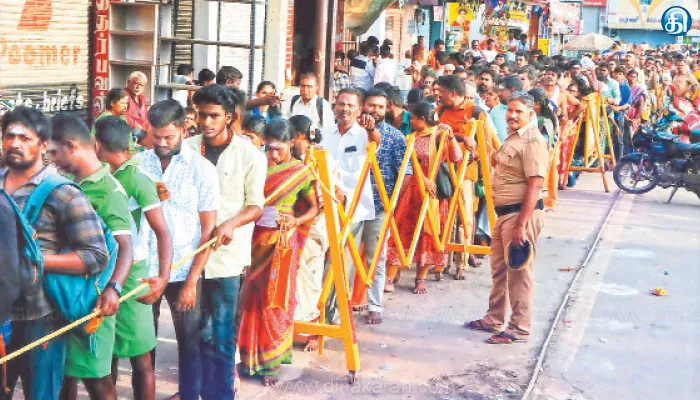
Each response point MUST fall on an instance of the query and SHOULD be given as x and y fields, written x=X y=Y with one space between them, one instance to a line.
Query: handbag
x=479 y=190
x=443 y=185
x=279 y=285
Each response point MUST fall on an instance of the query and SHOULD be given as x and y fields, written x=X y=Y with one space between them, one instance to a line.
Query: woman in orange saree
x=424 y=123
x=268 y=302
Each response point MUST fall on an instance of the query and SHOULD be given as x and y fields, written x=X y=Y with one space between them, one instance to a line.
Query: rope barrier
x=144 y=285
x=96 y=313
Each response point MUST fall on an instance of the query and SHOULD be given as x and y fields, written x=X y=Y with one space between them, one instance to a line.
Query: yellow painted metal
x=339 y=219
x=346 y=330
x=595 y=110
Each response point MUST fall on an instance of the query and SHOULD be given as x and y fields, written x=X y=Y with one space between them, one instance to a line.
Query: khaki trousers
x=509 y=286
x=465 y=233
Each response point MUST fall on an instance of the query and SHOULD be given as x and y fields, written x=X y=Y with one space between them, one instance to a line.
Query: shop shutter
x=183 y=29
x=44 y=55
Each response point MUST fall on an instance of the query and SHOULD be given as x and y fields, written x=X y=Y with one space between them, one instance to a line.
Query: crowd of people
x=206 y=166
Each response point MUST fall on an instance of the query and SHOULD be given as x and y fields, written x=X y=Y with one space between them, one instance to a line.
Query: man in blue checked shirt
x=390 y=154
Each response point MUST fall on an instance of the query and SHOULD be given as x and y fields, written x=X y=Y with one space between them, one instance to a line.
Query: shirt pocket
x=508 y=157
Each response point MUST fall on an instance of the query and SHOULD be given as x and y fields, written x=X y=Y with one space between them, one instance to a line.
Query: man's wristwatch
x=116 y=286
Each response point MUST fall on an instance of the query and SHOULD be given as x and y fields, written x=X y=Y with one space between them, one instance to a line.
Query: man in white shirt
x=386 y=67
x=362 y=68
x=346 y=143
x=511 y=47
x=310 y=104
x=406 y=62
x=490 y=52
x=190 y=195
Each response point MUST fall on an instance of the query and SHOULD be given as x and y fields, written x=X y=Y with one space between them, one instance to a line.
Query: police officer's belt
x=515 y=208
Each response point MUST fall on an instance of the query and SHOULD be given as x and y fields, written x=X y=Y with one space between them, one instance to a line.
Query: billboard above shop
x=645 y=14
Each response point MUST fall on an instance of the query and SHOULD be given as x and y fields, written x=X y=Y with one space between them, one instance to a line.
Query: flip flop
x=504 y=338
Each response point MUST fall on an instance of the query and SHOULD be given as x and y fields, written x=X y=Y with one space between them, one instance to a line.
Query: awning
x=361 y=14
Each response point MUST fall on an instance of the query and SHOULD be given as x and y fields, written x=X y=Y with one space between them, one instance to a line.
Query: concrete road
x=616 y=341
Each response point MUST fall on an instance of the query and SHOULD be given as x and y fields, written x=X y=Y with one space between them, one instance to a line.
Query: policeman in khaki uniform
x=520 y=168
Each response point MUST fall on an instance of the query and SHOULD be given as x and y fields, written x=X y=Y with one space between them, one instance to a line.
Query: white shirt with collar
x=348 y=153
x=193 y=184
x=363 y=77
x=386 y=71
x=310 y=110
x=242 y=170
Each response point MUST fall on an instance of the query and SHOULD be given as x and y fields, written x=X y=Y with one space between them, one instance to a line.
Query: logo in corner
x=676 y=21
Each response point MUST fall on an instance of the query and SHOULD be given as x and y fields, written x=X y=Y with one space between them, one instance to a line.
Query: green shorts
x=80 y=363
x=136 y=334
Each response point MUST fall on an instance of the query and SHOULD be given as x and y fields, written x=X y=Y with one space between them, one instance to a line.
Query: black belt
x=515 y=208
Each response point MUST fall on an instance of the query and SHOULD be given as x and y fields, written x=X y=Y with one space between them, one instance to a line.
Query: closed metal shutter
x=183 y=29
x=44 y=55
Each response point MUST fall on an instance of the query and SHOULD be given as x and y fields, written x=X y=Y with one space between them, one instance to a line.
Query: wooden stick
x=97 y=313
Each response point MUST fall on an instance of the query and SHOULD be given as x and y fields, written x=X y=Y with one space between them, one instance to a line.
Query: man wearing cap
x=519 y=170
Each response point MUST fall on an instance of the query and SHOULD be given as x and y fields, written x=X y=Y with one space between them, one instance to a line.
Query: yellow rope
x=142 y=286
x=97 y=313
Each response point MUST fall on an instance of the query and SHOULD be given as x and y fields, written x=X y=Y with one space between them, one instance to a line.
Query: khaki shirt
x=523 y=155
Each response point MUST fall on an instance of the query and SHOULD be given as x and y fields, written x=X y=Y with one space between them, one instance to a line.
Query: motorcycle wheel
x=629 y=174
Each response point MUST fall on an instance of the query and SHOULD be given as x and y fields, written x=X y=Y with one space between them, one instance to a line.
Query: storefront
x=563 y=22
x=44 y=55
x=637 y=21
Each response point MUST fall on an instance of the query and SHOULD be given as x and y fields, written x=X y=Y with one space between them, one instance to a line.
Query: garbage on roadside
x=658 y=291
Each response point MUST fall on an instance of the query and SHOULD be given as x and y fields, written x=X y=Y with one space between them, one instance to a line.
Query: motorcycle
x=660 y=159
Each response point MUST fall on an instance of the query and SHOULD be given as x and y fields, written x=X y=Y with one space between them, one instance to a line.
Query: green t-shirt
x=132 y=144
x=143 y=196
x=109 y=200
x=99 y=117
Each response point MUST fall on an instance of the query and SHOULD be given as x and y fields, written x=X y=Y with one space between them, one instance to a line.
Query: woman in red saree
x=268 y=302
x=424 y=123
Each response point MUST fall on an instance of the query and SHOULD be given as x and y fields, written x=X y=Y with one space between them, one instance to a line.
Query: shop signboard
x=44 y=55
x=459 y=18
x=100 y=69
x=518 y=15
x=594 y=3
x=645 y=14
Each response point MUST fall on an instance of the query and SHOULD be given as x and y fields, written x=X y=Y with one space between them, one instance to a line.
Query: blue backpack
x=74 y=296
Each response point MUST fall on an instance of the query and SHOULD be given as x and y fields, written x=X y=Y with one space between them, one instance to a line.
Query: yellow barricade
x=338 y=221
x=594 y=113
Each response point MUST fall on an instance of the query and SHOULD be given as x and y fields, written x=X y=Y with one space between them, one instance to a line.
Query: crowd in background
x=169 y=177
